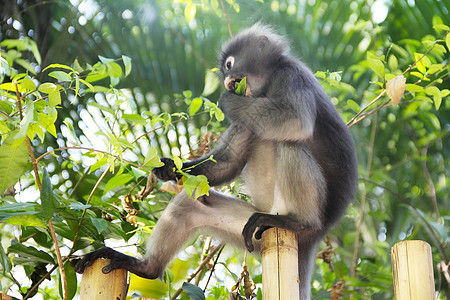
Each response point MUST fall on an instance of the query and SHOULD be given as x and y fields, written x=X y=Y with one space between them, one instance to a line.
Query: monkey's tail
x=306 y=259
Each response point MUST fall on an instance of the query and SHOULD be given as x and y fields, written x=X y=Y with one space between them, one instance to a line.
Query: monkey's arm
x=228 y=158
x=286 y=112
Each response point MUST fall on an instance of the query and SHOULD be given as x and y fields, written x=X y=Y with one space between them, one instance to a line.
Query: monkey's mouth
x=230 y=83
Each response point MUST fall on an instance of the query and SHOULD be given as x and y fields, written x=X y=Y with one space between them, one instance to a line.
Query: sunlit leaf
x=190 y=11
x=58 y=66
x=117 y=180
x=152 y=158
x=60 y=75
x=195 y=105
x=27 y=118
x=241 y=86
x=127 y=64
x=211 y=83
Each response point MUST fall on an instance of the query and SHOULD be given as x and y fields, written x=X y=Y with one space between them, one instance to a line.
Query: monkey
x=287 y=142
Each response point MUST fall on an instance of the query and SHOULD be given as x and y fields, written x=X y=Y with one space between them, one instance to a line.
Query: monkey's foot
x=118 y=261
x=266 y=221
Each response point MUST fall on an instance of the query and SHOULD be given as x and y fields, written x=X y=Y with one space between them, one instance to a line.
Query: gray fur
x=288 y=143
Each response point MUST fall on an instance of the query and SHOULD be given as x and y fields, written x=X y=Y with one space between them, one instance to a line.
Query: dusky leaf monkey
x=288 y=143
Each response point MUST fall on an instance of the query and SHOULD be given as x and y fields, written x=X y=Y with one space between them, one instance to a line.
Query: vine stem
x=94 y=150
x=226 y=17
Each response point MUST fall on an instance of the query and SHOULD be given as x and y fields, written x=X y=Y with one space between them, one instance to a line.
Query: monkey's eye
x=229 y=62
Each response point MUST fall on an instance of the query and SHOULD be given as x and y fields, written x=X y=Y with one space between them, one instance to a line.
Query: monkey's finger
x=260 y=231
x=113 y=265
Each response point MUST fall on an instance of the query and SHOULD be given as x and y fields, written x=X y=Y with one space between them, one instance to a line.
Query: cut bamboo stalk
x=412 y=268
x=279 y=257
x=96 y=285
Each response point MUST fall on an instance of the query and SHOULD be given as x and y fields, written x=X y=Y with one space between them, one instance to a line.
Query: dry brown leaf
x=171 y=187
x=395 y=88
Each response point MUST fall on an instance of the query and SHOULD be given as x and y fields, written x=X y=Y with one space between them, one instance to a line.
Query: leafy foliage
x=80 y=137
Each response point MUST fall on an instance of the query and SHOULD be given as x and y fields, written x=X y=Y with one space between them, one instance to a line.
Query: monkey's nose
x=230 y=83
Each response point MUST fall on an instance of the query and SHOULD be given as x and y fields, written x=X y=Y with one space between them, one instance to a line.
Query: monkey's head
x=253 y=53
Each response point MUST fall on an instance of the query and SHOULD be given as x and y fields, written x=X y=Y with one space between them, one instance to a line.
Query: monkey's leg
x=223 y=216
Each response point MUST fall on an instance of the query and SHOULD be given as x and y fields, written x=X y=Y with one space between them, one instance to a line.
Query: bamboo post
x=412 y=267
x=279 y=257
x=96 y=285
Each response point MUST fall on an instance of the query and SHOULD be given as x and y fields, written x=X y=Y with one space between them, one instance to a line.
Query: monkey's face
x=235 y=68
x=251 y=55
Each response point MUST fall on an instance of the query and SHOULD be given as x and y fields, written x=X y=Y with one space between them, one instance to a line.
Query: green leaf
x=241 y=86
x=4 y=260
x=105 y=60
x=127 y=63
x=198 y=184
x=437 y=96
x=26 y=219
x=13 y=162
x=71 y=278
x=178 y=163
x=187 y=94
x=193 y=291
x=211 y=83
x=58 y=66
x=48 y=200
x=118 y=180
x=79 y=206
x=100 y=224
x=28 y=84
x=31 y=254
x=351 y=104
x=218 y=113
x=152 y=158
x=26 y=65
x=413 y=87
x=376 y=64
x=60 y=75
x=27 y=118
x=54 y=99
x=392 y=62
x=114 y=70
x=47 y=88
x=135 y=118
x=195 y=105
x=447 y=41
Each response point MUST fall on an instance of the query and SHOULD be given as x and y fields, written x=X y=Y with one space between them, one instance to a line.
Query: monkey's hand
x=232 y=104
x=166 y=172
x=260 y=222
x=105 y=252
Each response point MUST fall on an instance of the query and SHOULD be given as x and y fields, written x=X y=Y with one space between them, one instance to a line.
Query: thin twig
x=226 y=17
x=199 y=269
x=58 y=256
x=84 y=210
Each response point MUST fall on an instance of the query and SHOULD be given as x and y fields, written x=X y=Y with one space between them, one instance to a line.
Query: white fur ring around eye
x=229 y=62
